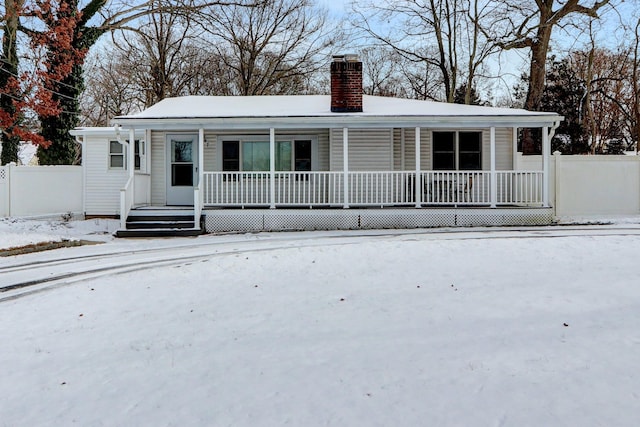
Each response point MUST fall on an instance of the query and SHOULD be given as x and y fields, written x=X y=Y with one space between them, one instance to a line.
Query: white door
x=182 y=168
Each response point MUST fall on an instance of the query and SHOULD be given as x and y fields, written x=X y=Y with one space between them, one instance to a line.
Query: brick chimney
x=346 y=84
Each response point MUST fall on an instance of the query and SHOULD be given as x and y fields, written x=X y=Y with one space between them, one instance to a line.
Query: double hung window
x=118 y=155
x=457 y=150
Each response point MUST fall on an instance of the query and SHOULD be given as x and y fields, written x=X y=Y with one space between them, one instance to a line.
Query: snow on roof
x=312 y=106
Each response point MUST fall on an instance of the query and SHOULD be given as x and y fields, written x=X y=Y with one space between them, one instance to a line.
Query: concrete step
x=160 y=224
x=159 y=232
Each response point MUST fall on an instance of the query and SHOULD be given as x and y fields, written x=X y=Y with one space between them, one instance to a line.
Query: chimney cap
x=347 y=57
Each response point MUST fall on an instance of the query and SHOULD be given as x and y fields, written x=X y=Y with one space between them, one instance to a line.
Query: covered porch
x=219 y=194
x=273 y=153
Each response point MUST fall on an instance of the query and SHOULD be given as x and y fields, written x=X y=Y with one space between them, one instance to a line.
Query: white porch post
x=198 y=195
x=514 y=152
x=494 y=182
x=131 y=163
x=345 y=167
x=272 y=167
x=418 y=184
x=546 y=148
x=200 y=157
x=131 y=153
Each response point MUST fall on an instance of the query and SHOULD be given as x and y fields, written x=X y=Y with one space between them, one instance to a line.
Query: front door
x=182 y=168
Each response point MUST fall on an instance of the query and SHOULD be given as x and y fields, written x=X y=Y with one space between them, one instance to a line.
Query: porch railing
x=520 y=187
x=308 y=188
x=377 y=188
x=126 y=201
x=381 y=188
x=456 y=188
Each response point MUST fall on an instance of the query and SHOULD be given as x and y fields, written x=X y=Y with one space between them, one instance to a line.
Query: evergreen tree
x=459 y=95
x=67 y=39
x=564 y=93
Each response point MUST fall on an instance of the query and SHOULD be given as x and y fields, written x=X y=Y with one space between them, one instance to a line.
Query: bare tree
x=443 y=34
x=381 y=72
x=273 y=47
x=110 y=88
x=530 y=25
x=635 y=82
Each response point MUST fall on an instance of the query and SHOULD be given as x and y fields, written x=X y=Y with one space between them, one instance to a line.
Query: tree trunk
x=9 y=69
x=537 y=72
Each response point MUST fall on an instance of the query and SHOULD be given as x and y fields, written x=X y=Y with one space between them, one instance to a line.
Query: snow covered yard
x=19 y=232
x=398 y=330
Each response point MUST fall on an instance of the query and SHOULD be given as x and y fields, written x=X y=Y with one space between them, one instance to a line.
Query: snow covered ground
x=17 y=232
x=428 y=327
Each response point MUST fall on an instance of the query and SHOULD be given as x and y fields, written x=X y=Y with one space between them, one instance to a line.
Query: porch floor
x=244 y=220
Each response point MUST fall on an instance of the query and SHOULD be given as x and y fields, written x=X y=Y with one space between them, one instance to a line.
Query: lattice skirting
x=223 y=220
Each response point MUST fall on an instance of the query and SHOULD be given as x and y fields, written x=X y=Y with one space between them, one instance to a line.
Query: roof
x=314 y=110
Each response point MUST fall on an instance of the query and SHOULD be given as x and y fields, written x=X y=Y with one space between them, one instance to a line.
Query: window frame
x=139 y=152
x=456 y=148
x=241 y=139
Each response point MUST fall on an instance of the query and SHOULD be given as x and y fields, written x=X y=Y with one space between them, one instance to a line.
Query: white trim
x=345 y=166
x=130 y=162
x=492 y=162
x=200 y=156
x=418 y=181
x=514 y=152
x=403 y=159
x=272 y=168
x=353 y=122
x=546 y=147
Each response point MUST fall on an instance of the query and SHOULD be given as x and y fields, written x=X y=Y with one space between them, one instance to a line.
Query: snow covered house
x=339 y=161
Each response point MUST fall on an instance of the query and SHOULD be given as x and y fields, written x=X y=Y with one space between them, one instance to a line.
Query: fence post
x=4 y=186
x=10 y=168
x=557 y=165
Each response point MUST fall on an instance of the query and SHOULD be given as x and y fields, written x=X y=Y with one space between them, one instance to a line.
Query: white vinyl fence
x=40 y=190
x=591 y=186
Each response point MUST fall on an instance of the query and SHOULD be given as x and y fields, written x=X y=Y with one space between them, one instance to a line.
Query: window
x=118 y=155
x=302 y=157
x=136 y=154
x=253 y=156
x=457 y=150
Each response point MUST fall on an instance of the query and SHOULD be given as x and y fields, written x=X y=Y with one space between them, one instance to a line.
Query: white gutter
x=339 y=121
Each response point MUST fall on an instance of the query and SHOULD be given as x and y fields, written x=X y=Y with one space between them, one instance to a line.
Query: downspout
x=552 y=132
x=123 y=191
x=546 y=151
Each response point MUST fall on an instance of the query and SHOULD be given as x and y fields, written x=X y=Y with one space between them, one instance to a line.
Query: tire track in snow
x=126 y=261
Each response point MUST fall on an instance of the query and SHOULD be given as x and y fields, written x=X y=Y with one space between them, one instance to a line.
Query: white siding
x=102 y=185
x=158 y=169
x=504 y=148
x=369 y=149
x=210 y=147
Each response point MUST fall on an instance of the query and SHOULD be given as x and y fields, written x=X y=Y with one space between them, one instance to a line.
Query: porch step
x=164 y=224
x=159 y=232
x=160 y=223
